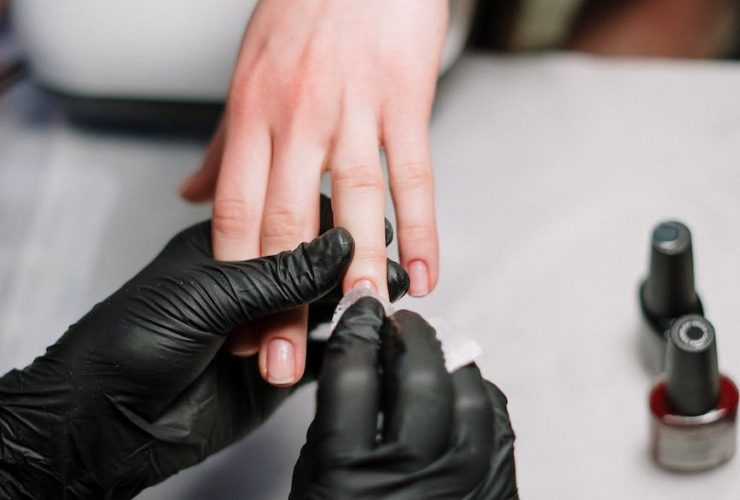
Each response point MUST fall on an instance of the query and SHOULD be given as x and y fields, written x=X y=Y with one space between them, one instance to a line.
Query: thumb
x=255 y=288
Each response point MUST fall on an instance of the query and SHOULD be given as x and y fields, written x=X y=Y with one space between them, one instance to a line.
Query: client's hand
x=391 y=422
x=140 y=388
x=319 y=86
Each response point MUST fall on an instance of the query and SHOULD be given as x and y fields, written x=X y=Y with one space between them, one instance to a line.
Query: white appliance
x=151 y=50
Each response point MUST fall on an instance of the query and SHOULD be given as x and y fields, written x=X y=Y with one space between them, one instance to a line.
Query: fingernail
x=364 y=283
x=419 y=278
x=280 y=362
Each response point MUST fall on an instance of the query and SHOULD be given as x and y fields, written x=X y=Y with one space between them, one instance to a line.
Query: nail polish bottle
x=694 y=408
x=668 y=291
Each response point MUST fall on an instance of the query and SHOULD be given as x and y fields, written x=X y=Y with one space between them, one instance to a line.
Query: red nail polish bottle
x=694 y=408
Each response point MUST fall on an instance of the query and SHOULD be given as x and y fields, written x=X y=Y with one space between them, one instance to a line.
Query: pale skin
x=321 y=86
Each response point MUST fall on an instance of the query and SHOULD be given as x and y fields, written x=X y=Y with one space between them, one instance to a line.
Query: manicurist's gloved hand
x=391 y=423
x=140 y=387
x=285 y=364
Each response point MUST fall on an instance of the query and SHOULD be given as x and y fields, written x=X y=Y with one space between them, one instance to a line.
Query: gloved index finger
x=418 y=392
x=255 y=288
x=349 y=386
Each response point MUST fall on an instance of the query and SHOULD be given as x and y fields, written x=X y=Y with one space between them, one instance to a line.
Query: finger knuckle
x=232 y=217
x=422 y=232
x=304 y=104
x=286 y=224
x=241 y=97
x=246 y=85
x=412 y=175
x=359 y=177
x=299 y=94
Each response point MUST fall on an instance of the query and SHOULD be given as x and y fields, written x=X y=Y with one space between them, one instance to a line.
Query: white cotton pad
x=458 y=349
x=355 y=294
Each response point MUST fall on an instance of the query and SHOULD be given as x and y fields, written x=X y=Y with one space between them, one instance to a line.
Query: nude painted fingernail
x=419 y=275
x=280 y=362
x=364 y=283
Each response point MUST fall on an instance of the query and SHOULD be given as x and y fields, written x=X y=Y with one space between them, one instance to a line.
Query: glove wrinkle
x=170 y=431
x=12 y=489
x=139 y=388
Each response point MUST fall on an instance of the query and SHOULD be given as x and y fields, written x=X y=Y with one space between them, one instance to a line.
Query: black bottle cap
x=691 y=364
x=668 y=292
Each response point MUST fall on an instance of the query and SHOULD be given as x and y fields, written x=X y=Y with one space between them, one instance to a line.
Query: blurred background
x=582 y=122
x=169 y=63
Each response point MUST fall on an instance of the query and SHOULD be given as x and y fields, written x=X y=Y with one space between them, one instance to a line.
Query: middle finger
x=358 y=198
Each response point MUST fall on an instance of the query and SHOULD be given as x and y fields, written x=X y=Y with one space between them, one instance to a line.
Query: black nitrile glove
x=398 y=280
x=140 y=388
x=391 y=423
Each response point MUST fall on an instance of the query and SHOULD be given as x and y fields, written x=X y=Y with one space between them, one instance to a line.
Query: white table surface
x=551 y=172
